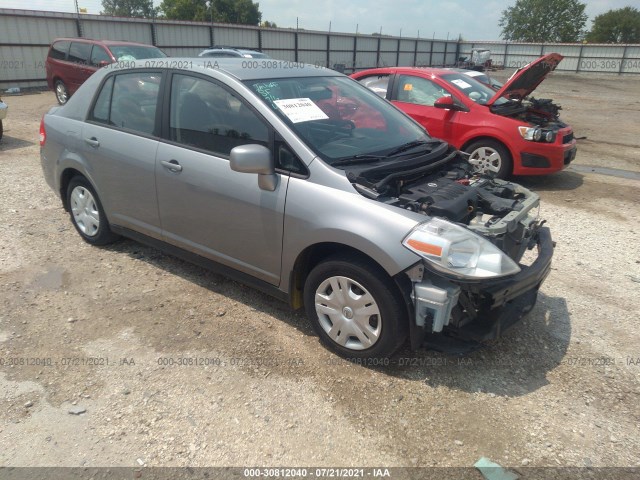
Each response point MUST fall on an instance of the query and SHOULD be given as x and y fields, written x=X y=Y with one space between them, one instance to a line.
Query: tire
x=490 y=157
x=61 y=91
x=87 y=214
x=381 y=327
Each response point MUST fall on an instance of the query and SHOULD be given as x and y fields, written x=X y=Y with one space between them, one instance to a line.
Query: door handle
x=93 y=141
x=172 y=165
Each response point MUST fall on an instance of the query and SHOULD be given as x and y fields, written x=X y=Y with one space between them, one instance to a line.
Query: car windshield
x=135 y=52
x=255 y=55
x=338 y=118
x=472 y=88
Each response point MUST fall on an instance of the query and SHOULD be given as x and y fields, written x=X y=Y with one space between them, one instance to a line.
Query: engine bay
x=542 y=112
x=497 y=209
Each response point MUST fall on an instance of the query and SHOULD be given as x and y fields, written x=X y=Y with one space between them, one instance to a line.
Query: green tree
x=616 y=26
x=128 y=8
x=544 y=21
x=268 y=24
x=224 y=11
x=195 y=10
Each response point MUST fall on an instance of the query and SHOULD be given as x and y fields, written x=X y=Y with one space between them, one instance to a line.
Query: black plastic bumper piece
x=500 y=292
x=534 y=161
x=506 y=303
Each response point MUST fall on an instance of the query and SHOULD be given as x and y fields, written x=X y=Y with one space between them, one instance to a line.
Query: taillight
x=43 y=133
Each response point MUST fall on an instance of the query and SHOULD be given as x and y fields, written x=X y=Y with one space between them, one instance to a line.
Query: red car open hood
x=526 y=79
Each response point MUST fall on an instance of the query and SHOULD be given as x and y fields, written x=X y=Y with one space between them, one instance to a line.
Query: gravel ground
x=101 y=331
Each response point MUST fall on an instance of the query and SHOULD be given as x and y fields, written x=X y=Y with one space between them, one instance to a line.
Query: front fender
x=318 y=213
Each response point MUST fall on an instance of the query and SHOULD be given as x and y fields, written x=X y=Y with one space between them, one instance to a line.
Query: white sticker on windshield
x=300 y=109
x=461 y=83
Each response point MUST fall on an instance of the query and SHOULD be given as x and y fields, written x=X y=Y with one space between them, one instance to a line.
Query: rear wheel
x=62 y=94
x=87 y=214
x=355 y=308
x=491 y=158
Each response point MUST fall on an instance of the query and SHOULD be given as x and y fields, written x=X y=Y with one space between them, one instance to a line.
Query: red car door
x=416 y=95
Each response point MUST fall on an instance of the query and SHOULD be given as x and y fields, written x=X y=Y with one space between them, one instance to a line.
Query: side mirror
x=447 y=103
x=103 y=63
x=255 y=159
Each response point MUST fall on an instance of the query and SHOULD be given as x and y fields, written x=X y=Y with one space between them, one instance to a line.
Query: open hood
x=526 y=79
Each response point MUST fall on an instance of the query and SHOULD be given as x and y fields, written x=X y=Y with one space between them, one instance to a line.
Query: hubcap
x=348 y=313
x=61 y=93
x=85 y=211
x=485 y=160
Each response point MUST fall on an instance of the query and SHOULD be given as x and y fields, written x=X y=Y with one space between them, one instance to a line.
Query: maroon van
x=72 y=60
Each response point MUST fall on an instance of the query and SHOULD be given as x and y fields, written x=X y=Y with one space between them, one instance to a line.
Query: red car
x=72 y=60
x=505 y=132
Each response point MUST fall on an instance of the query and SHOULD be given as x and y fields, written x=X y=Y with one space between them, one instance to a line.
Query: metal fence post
x=328 y=49
x=355 y=52
x=579 y=58
x=624 y=56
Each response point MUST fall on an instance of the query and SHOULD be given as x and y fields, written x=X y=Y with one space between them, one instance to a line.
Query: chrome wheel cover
x=61 y=93
x=85 y=211
x=348 y=313
x=485 y=160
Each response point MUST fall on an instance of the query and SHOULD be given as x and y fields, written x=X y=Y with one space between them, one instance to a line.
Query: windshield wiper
x=410 y=145
x=355 y=159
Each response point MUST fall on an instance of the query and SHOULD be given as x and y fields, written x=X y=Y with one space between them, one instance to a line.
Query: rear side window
x=59 y=50
x=100 y=111
x=129 y=101
x=205 y=115
x=377 y=83
x=79 y=52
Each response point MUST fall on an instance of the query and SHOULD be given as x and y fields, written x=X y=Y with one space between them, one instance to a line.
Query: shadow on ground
x=514 y=365
x=11 y=143
x=564 y=180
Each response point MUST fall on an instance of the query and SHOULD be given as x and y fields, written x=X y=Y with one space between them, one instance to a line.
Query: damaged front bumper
x=476 y=312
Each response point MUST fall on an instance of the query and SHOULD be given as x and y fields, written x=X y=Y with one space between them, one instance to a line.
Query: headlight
x=535 y=134
x=458 y=251
x=549 y=136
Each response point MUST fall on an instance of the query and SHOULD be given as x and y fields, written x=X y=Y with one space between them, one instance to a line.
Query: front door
x=205 y=207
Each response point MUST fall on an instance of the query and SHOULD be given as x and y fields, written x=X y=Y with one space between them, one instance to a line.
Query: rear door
x=119 y=141
x=205 y=207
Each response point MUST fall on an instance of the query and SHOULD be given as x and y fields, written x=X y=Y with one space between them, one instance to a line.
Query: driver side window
x=205 y=115
x=419 y=91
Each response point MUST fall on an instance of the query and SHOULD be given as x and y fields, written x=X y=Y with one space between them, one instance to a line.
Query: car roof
x=233 y=49
x=101 y=42
x=409 y=70
x=234 y=67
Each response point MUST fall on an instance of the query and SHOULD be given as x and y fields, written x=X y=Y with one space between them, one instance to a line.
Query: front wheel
x=87 y=214
x=490 y=158
x=355 y=308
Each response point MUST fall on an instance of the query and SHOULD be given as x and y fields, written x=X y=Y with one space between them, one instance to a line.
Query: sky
x=473 y=19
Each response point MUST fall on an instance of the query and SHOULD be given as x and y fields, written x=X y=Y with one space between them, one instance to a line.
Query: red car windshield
x=135 y=52
x=471 y=88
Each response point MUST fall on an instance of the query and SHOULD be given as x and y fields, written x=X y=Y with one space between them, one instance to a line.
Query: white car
x=479 y=76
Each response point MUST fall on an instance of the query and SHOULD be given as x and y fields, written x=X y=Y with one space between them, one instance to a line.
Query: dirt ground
x=123 y=356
